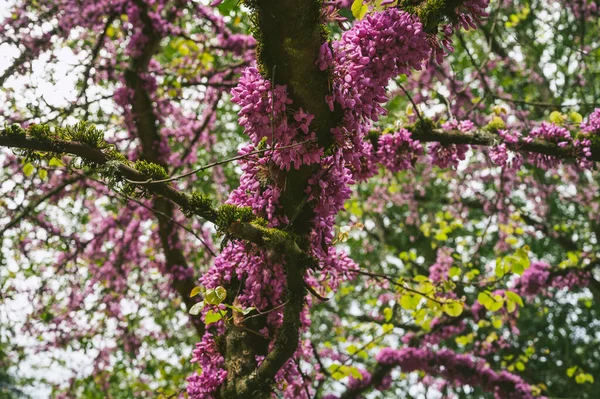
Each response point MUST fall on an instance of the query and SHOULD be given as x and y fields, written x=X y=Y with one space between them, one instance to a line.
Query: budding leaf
x=576 y=117
x=409 y=302
x=491 y=303
x=388 y=313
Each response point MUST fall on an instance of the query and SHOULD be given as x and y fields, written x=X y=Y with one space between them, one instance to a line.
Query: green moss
x=151 y=170
x=275 y=237
x=495 y=125
x=15 y=130
x=200 y=204
x=114 y=155
x=86 y=134
x=423 y=126
x=261 y=222
x=40 y=132
x=228 y=214
x=432 y=12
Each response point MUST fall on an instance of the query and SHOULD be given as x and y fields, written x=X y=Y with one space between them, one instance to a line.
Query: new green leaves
x=212 y=296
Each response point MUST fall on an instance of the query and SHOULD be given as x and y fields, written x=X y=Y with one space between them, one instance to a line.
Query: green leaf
x=453 y=309
x=43 y=174
x=520 y=366
x=491 y=303
x=441 y=236
x=497 y=323
x=215 y=296
x=354 y=372
x=336 y=371
x=582 y=378
x=359 y=9
x=511 y=306
x=388 y=313
x=240 y=310
x=111 y=31
x=28 y=169
x=499 y=269
x=454 y=272
x=514 y=297
x=184 y=49
x=557 y=118
x=55 y=162
x=497 y=303
x=523 y=255
x=518 y=268
x=197 y=308
x=195 y=291
x=575 y=117
x=484 y=298
x=409 y=302
x=212 y=317
x=571 y=371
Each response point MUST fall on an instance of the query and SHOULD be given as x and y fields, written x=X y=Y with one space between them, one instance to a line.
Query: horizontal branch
x=236 y=222
x=484 y=138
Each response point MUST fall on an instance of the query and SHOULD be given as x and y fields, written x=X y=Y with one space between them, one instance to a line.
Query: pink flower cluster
x=362 y=62
x=469 y=13
x=379 y=47
x=443 y=332
x=398 y=151
x=438 y=272
x=562 y=137
x=263 y=114
x=457 y=368
x=501 y=155
x=450 y=155
x=592 y=124
x=212 y=376
x=539 y=277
